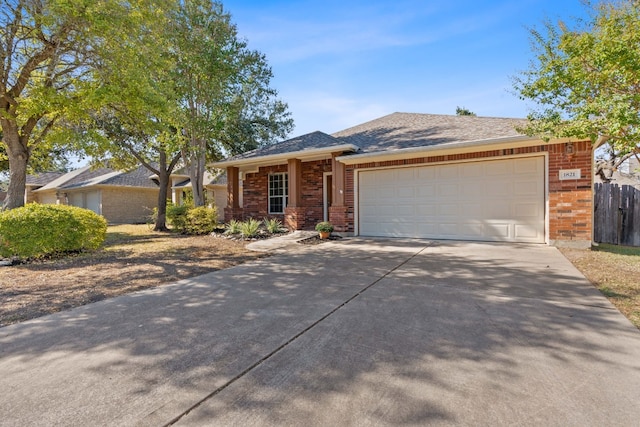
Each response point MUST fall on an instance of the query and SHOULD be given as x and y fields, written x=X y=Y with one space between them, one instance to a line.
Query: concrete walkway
x=351 y=332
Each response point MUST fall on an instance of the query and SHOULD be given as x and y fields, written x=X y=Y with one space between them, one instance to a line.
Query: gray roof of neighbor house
x=43 y=178
x=409 y=130
x=208 y=179
x=138 y=177
x=86 y=177
x=310 y=141
x=397 y=131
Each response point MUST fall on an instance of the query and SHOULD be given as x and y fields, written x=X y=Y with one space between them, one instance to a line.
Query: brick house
x=121 y=197
x=422 y=175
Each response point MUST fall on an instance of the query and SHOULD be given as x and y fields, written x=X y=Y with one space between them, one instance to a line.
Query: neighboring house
x=422 y=175
x=121 y=197
x=215 y=189
x=627 y=174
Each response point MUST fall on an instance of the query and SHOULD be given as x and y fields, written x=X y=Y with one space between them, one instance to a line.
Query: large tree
x=226 y=103
x=585 y=80
x=49 y=50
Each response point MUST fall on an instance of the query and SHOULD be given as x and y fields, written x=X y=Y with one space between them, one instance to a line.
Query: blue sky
x=340 y=63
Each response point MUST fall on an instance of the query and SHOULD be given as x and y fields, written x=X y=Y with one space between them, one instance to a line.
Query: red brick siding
x=255 y=194
x=570 y=202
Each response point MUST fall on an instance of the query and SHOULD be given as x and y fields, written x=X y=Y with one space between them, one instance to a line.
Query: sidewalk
x=280 y=242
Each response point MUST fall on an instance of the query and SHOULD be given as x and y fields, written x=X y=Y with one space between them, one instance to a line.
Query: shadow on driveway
x=355 y=332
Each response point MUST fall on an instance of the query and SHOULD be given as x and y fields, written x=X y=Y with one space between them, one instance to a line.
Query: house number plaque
x=569 y=174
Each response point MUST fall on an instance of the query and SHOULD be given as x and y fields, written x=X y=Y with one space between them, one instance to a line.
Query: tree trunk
x=163 y=178
x=161 y=218
x=195 y=159
x=18 y=155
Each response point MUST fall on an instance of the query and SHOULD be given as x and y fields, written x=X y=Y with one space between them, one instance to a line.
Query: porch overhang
x=253 y=163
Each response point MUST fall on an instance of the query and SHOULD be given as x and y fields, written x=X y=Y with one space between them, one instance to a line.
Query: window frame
x=283 y=188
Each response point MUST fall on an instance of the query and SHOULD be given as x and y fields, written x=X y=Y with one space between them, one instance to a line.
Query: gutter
x=454 y=146
x=301 y=154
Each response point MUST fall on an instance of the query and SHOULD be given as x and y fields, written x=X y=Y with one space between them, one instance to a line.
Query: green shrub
x=37 y=230
x=233 y=227
x=273 y=225
x=177 y=217
x=324 y=227
x=201 y=220
x=250 y=228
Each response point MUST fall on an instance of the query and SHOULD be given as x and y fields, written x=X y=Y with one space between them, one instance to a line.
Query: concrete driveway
x=356 y=332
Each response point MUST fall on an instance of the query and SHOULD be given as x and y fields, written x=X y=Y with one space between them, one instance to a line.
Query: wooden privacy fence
x=617 y=214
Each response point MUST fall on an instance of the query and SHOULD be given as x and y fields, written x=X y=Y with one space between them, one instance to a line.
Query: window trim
x=284 y=197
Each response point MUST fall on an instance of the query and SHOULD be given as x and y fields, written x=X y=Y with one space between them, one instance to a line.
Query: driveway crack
x=294 y=338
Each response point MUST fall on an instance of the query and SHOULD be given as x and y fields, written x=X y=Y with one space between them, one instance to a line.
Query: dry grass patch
x=133 y=258
x=615 y=271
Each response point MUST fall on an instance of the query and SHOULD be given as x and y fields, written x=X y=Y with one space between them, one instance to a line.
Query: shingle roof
x=408 y=130
x=43 y=178
x=208 y=179
x=308 y=141
x=139 y=177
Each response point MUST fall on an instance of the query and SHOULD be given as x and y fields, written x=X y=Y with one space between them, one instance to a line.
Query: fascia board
x=282 y=158
x=448 y=149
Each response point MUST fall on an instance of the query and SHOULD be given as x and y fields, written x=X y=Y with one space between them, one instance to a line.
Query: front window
x=278 y=192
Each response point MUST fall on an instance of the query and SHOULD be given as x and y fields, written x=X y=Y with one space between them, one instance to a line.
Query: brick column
x=233 y=209
x=338 y=211
x=294 y=213
x=294 y=218
x=571 y=201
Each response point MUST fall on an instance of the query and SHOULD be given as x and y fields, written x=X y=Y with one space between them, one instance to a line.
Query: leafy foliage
x=187 y=219
x=250 y=228
x=273 y=225
x=202 y=220
x=233 y=227
x=324 y=226
x=586 y=81
x=462 y=111
x=177 y=216
x=37 y=230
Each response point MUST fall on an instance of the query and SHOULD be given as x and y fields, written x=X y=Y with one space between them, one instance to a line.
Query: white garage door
x=501 y=200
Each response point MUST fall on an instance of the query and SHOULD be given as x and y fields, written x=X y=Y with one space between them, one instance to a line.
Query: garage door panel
x=447 y=210
x=471 y=230
x=497 y=230
x=424 y=210
x=427 y=190
x=498 y=168
x=485 y=200
x=527 y=210
x=448 y=172
x=528 y=166
x=448 y=189
x=448 y=230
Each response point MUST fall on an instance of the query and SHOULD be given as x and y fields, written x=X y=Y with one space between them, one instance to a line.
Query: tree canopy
x=585 y=80
x=142 y=81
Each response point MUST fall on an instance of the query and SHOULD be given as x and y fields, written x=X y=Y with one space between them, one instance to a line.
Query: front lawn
x=133 y=258
x=615 y=271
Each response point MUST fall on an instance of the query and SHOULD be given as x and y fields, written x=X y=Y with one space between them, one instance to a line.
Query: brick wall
x=570 y=202
x=255 y=194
